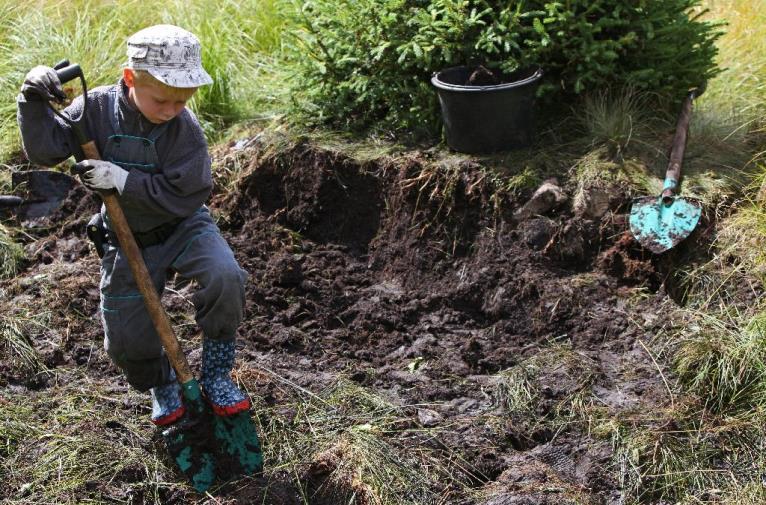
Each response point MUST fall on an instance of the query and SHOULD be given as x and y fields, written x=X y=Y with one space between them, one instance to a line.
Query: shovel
x=660 y=223
x=44 y=192
x=202 y=444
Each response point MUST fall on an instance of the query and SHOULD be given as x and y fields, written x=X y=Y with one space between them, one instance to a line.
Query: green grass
x=732 y=113
x=723 y=363
x=665 y=464
x=740 y=90
x=743 y=236
x=704 y=446
x=727 y=284
x=242 y=41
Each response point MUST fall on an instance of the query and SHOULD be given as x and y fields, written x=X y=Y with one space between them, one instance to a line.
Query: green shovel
x=234 y=448
x=660 y=223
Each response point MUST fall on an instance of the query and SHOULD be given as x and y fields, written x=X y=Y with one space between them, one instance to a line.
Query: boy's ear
x=129 y=77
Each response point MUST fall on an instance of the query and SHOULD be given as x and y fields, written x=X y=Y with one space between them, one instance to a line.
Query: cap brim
x=181 y=78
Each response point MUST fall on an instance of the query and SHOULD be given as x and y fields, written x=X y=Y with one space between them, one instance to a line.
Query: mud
x=413 y=281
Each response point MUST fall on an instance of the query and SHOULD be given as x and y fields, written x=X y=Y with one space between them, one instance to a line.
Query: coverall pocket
x=128 y=329
x=131 y=342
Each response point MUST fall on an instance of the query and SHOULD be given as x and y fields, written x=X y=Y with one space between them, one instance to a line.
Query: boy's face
x=157 y=103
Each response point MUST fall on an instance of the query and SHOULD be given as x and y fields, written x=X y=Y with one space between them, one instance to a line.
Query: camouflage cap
x=170 y=54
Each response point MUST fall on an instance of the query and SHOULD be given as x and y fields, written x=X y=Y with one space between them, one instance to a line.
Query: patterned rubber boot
x=167 y=406
x=224 y=396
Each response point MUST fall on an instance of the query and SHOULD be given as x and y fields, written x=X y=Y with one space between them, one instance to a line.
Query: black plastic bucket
x=485 y=119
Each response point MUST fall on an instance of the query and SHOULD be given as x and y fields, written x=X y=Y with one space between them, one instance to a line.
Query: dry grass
x=11 y=254
x=67 y=445
x=349 y=445
x=15 y=342
x=685 y=462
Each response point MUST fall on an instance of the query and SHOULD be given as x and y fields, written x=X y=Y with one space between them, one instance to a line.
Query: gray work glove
x=99 y=174
x=42 y=83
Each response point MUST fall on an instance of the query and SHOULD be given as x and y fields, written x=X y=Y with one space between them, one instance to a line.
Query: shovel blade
x=205 y=446
x=189 y=442
x=194 y=460
x=239 y=449
x=658 y=226
x=45 y=191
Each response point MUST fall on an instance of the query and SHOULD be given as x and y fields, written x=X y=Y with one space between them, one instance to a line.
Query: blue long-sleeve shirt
x=183 y=182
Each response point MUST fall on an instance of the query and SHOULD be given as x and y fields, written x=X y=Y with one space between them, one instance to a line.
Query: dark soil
x=362 y=270
x=482 y=76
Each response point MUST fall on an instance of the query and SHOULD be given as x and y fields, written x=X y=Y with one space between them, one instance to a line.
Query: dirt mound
x=417 y=278
x=406 y=265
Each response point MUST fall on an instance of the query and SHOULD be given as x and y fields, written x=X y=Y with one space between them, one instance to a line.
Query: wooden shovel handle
x=673 y=173
x=143 y=279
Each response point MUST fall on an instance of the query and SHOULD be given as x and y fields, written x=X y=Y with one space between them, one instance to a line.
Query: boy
x=155 y=156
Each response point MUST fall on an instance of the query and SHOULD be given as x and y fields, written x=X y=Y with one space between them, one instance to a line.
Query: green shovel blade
x=659 y=226
x=239 y=449
x=188 y=441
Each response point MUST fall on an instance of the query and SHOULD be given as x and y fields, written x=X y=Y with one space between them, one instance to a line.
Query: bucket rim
x=438 y=83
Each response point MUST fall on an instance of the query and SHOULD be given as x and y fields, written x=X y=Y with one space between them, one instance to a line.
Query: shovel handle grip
x=673 y=173
x=141 y=275
x=68 y=72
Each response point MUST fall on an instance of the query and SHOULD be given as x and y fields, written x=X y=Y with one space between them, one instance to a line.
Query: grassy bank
x=702 y=451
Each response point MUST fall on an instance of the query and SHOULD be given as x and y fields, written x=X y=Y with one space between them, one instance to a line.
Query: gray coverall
x=169 y=179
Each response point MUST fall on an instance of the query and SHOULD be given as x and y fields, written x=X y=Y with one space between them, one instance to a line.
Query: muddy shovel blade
x=188 y=441
x=45 y=191
x=239 y=449
x=659 y=226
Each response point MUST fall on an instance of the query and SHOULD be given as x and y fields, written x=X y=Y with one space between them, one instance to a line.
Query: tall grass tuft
x=723 y=362
x=684 y=458
x=616 y=118
x=15 y=345
x=11 y=254
x=741 y=241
